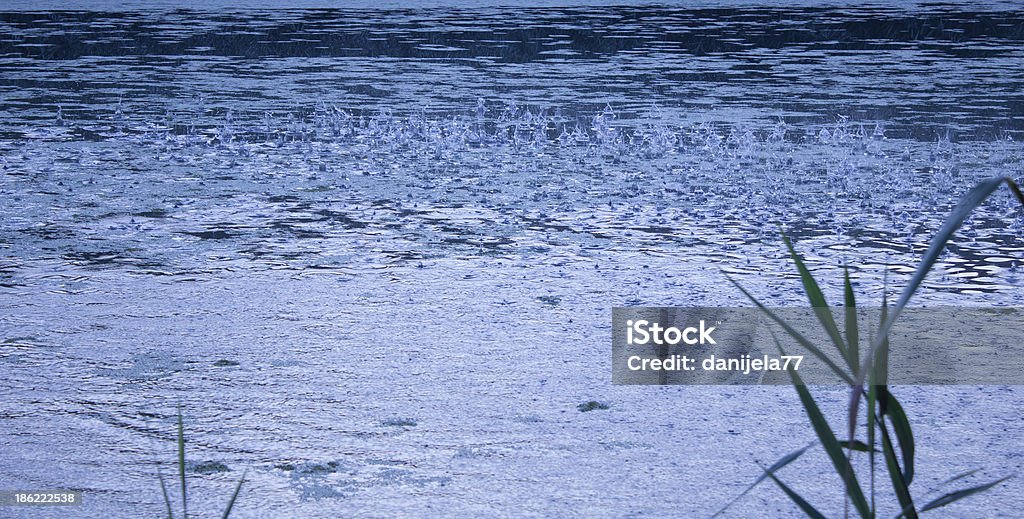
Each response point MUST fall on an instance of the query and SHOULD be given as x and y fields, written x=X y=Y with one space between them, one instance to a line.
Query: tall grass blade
x=795 y=334
x=890 y=406
x=857 y=445
x=872 y=392
x=878 y=375
x=852 y=332
x=181 y=465
x=231 y=503
x=829 y=442
x=873 y=389
x=899 y=485
x=820 y=305
x=163 y=490
x=782 y=462
x=1016 y=189
x=960 y=476
x=801 y=502
x=852 y=360
x=880 y=364
x=974 y=198
x=953 y=497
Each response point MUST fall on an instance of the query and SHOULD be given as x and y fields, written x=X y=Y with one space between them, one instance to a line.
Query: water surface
x=373 y=251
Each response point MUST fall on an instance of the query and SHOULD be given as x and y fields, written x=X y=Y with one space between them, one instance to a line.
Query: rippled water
x=373 y=252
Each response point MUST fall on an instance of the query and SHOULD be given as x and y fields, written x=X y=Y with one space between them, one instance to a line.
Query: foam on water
x=321 y=188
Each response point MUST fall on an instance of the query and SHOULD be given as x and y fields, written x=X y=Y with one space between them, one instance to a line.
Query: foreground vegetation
x=183 y=488
x=889 y=431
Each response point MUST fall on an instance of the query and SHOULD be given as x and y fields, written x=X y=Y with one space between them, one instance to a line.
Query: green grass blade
x=944 y=483
x=877 y=364
x=901 y=427
x=782 y=462
x=829 y=442
x=820 y=305
x=234 y=496
x=879 y=367
x=832 y=447
x=904 y=513
x=852 y=332
x=899 y=485
x=960 y=494
x=163 y=489
x=1016 y=189
x=181 y=465
x=960 y=476
x=974 y=198
x=795 y=334
x=800 y=502
x=872 y=396
x=857 y=445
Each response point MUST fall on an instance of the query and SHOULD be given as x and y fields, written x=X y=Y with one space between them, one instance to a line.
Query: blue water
x=408 y=225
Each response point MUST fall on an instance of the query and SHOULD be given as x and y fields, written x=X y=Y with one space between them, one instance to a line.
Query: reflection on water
x=276 y=218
